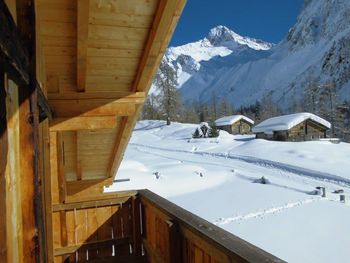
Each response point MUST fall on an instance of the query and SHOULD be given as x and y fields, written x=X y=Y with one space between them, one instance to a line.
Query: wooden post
x=34 y=248
x=3 y=164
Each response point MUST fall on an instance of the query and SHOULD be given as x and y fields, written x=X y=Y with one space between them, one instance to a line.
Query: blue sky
x=268 y=20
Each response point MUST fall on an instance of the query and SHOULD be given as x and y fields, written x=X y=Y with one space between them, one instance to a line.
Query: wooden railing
x=144 y=228
x=172 y=234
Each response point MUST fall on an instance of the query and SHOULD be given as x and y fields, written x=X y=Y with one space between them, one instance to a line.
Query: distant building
x=294 y=127
x=235 y=124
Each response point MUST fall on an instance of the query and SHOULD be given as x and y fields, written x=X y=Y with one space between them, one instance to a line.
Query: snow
x=228 y=120
x=286 y=122
x=214 y=178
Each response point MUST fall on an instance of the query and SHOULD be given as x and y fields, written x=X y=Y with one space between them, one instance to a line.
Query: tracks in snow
x=264 y=163
x=265 y=212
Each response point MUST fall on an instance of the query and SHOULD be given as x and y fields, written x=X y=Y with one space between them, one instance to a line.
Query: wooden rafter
x=87 y=108
x=82 y=42
x=164 y=23
x=83 y=123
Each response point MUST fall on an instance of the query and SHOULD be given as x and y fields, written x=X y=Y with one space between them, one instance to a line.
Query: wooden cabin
x=294 y=127
x=235 y=124
x=73 y=77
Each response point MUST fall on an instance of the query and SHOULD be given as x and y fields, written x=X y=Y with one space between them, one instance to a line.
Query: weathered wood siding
x=239 y=127
x=304 y=131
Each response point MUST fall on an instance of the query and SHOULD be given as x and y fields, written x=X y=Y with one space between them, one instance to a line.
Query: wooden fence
x=143 y=228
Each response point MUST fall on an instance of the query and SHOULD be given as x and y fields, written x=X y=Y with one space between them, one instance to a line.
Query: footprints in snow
x=260 y=214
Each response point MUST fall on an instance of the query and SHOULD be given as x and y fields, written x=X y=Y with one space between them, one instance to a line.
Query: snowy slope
x=227 y=65
x=198 y=174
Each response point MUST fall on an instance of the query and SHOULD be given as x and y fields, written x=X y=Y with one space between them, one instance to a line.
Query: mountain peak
x=220 y=34
x=223 y=36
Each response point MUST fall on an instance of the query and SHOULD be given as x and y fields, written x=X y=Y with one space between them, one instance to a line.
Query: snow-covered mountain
x=243 y=70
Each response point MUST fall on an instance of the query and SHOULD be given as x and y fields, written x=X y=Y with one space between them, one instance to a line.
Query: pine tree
x=169 y=96
x=213 y=132
x=196 y=134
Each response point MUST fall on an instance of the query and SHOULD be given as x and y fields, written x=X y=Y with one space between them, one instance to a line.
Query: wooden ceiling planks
x=100 y=57
x=83 y=12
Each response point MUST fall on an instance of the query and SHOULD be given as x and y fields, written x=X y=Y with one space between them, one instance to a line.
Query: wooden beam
x=13 y=54
x=90 y=204
x=91 y=107
x=82 y=42
x=166 y=18
x=83 y=123
x=87 y=190
x=33 y=227
x=121 y=141
x=3 y=165
x=13 y=179
x=128 y=97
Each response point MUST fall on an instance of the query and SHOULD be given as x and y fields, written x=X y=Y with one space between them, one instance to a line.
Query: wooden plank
x=91 y=107
x=122 y=138
x=104 y=231
x=90 y=204
x=116 y=53
x=3 y=165
x=81 y=232
x=91 y=245
x=136 y=227
x=46 y=178
x=92 y=231
x=83 y=10
x=130 y=7
x=71 y=233
x=60 y=169
x=33 y=227
x=83 y=123
x=127 y=97
x=121 y=20
x=153 y=255
x=87 y=190
x=164 y=23
x=79 y=163
x=12 y=192
x=57 y=29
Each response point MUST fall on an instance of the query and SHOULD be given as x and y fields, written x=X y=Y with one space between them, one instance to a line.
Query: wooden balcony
x=144 y=227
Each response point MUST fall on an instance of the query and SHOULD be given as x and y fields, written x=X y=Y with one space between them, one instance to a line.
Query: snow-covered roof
x=286 y=122
x=228 y=120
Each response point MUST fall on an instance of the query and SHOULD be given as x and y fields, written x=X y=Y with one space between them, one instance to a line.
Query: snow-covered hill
x=215 y=179
x=243 y=70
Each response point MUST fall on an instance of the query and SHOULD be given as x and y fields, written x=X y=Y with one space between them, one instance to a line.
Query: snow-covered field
x=214 y=178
